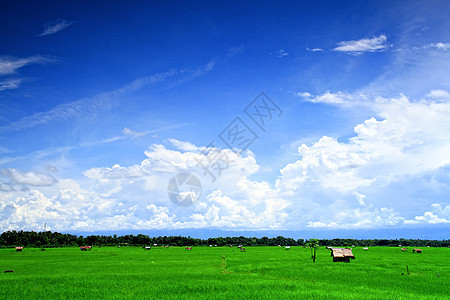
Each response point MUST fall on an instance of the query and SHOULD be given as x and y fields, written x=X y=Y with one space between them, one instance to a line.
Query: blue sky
x=102 y=104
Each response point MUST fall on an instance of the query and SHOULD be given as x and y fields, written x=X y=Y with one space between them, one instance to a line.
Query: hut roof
x=342 y=252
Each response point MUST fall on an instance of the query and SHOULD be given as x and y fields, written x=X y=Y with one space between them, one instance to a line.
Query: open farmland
x=218 y=272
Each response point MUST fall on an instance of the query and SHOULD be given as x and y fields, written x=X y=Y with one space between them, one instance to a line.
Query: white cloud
x=327 y=97
x=15 y=177
x=55 y=26
x=80 y=107
x=360 y=218
x=304 y=94
x=437 y=215
x=356 y=47
x=282 y=53
x=439 y=95
x=409 y=139
x=9 y=65
x=136 y=197
x=250 y=204
x=440 y=46
x=115 y=171
x=132 y=133
x=360 y=197
x=101 y=101
x=332 y=185
x=186 y=146
x=10 y=84
x=315 y=49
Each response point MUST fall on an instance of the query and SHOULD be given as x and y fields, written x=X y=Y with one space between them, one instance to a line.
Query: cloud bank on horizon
x=91 y=142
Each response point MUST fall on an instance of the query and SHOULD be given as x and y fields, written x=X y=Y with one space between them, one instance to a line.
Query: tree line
x=56 y=239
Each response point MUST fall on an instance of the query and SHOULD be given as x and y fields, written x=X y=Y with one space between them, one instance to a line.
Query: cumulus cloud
x=55 y=26
x=331 y=185
x=437 y=215
x=14 y=179
x=30 y=178
x=409 y=138
x=136 y=197
x=356 y=47
x=252 y=204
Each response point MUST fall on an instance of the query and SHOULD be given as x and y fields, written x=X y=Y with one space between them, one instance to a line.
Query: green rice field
x=223 y=272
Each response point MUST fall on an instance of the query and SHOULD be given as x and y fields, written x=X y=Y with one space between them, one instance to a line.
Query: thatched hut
x=342 y=254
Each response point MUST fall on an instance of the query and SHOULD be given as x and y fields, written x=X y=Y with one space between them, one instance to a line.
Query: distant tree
x=313 y=244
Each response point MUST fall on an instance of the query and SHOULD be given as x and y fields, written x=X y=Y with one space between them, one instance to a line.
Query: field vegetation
x=223 y=272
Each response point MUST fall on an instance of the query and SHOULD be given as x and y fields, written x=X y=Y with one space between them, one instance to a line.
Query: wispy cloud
x=10 y=84
x=314 y=49
x=440 y=46
x=356 y=47
x=327 y=97
x=281 y=53
x=233 y=51
x=127 y=133
x=9 y=65
x=83 y=106
x=104 y=100
x=55 y=26
x=133 y=134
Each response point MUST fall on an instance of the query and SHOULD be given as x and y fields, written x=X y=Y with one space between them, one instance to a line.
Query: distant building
x=342 y=254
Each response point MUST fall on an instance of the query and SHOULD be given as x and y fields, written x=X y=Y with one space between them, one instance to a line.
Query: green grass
x=219 y=272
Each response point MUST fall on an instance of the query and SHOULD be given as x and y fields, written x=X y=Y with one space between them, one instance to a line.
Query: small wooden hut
x=85 y=248
x=19 y=249
x=342 y=254
x=417 y=250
